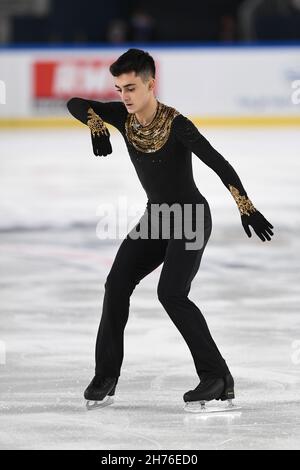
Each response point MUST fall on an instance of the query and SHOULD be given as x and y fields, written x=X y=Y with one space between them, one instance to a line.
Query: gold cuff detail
x=244 y=204
x=96 y=124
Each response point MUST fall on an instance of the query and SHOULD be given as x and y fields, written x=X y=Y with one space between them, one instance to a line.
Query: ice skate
x=100 y=392
x=211 y=389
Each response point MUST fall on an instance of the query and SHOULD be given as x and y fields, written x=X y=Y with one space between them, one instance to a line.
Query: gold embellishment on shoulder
x=96 y=124
x=244 y=204
x=152 y=137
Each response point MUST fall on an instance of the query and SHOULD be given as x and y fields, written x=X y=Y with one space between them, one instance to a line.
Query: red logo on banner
x=61 y=79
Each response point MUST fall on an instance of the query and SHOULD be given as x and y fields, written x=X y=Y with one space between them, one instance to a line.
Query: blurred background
x=116 y=21
x=231 y=66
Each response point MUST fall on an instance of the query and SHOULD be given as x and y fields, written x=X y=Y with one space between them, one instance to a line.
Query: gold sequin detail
x=96 y=124
x=153 y=136
x=244 y=204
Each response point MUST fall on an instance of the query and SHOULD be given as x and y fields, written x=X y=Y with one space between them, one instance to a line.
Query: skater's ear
x=151 y=85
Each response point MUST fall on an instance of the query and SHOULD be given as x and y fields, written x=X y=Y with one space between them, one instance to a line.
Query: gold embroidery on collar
x=96 y=124
x=153 y=136
x=244 y=204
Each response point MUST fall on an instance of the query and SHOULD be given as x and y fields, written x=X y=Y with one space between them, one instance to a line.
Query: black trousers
x=135 y=259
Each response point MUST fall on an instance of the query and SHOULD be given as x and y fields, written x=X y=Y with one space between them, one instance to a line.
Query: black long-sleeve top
x=161 y=152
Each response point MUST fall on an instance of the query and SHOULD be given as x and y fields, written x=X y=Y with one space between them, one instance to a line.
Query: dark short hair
x=135 y=60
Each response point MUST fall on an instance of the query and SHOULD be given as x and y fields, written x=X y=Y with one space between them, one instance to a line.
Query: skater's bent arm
x=83 y=109
x=93 y=114
x=188 y=134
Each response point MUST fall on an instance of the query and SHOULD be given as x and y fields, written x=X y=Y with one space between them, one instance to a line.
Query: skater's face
x=135 y=92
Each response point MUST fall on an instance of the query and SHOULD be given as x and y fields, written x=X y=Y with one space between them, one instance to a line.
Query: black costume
x=161 y=153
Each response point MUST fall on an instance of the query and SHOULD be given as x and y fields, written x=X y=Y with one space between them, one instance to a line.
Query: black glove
x=99 y=134
x=259 y=223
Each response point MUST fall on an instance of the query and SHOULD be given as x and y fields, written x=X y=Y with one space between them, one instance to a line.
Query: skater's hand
x=99 y=134
x=259 y=223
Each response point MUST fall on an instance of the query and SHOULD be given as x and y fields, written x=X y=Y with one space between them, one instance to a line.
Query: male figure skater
x=160 y=141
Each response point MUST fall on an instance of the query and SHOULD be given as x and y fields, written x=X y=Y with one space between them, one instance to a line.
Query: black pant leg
x=179 y=269
x=134 y=260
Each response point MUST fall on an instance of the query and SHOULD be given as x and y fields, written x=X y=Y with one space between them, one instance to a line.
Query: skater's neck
x=147 y=114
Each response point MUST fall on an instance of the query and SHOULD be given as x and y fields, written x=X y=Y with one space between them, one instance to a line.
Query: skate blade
x=93 y=404
x=200 y=407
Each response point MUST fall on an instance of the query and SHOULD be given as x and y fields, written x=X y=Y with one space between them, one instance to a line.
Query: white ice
x=53 y=268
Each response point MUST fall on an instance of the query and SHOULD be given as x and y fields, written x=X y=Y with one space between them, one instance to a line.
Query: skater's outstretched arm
x=188 y=134
x=93 y=114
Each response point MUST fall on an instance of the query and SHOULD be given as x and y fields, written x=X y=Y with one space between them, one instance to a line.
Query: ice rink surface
x=53 y=269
